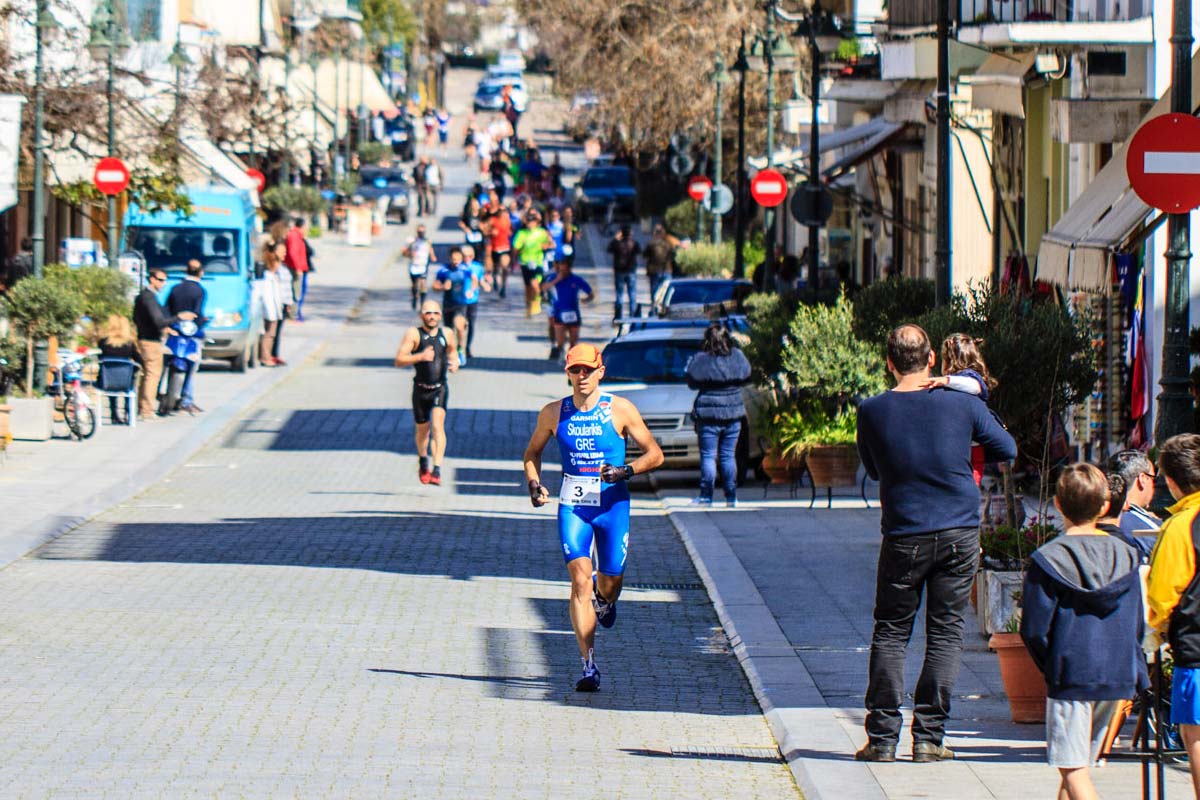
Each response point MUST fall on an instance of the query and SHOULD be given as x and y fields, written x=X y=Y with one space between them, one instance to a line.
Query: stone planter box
x=31 y=419
x=995 y=604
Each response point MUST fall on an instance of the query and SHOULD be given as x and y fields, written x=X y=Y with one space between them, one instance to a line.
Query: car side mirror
x=259 y=270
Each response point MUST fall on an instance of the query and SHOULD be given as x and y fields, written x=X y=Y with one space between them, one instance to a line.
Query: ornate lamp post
x=719 y=78
x=46 y=28
x=741 y=66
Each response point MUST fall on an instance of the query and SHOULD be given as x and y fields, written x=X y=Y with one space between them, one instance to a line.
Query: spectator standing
x=624 y=250
x=1138 y=472
x=1082 y=622
x=511 y=113
x=917 y=443
x=276 y=297
x=189 y=296
x=20 y=265
x=442 y=116
x=151 y=320
x=117 y=340
x=421 y=185
x=1173 y=593
x=297 y=261
x=660 y=255
x=429 y=120
x=433 y=185
x=718 y=373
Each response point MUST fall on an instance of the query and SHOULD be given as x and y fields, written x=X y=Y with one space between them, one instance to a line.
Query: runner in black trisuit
x=429 y=348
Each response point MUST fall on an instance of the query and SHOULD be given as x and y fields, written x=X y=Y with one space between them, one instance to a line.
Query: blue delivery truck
x=222 y=232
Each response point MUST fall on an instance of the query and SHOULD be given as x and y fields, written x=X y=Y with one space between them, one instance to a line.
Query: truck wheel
x=403 y=217
x=239 y=362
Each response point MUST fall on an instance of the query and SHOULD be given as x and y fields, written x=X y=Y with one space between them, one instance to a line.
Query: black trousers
x=941 y=565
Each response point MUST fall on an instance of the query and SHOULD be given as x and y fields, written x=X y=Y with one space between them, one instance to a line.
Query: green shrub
x=705 y=260
x=375 y=153
x=680 y=220
x=881 y=306
x=39 y=308
x=768 y=316
x=100 y=291
x=294 y=200
x=822 y=358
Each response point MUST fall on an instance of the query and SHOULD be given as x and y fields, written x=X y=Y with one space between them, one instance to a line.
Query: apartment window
x=1103 y=63
x=145 y=20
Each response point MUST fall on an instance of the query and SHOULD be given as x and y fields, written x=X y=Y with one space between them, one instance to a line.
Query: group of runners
x=590 y=426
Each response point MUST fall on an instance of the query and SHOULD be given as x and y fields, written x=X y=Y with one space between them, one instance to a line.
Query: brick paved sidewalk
x=799 y=588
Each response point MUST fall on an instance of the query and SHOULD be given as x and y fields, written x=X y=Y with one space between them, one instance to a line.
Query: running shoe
x=423 y=470
x=606 y=612
x=435 y=477
x=700 y=501
x=590 y=681
x=554 y=353
x=462 y=358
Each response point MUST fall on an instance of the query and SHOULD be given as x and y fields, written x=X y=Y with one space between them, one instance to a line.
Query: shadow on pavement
x=731 y=755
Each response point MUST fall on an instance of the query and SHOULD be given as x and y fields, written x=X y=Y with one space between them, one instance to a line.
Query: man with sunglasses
x=1138 y=473
x=430 y=349
x=151 y=319
x=590 y=427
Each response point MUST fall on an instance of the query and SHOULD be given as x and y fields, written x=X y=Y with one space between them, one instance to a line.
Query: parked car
x=649 y=368
x=377 y=182
x=691 y=298
x=489 y=95
x=511 y=59
x=601 y=186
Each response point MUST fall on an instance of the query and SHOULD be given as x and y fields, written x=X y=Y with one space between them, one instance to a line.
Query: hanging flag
x=1139 y=398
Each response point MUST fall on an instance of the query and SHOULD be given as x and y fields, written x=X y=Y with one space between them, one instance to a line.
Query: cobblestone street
x=292 y=614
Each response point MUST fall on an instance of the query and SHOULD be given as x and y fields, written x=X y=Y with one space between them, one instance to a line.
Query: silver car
x=649 y=368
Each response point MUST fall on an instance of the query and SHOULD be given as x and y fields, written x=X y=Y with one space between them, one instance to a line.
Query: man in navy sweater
x=917 y=443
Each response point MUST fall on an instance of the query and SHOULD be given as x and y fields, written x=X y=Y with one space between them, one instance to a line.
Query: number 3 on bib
x=580 y=491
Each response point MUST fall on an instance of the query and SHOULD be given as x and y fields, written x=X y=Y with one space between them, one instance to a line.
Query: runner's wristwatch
x=613 y=474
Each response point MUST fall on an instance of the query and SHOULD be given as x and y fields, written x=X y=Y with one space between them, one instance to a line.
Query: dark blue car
x=601 y=186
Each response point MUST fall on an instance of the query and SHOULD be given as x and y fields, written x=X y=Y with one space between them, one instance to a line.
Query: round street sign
x=680 y=164
x=768 y=188
x=698 y=187
x=1163 y=163
x=111 y=176
x=258 y=178
x=719 y=199
x=811 y=206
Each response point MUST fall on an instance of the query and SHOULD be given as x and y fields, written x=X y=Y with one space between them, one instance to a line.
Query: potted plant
x=38 y=308
x=1005 y=551
x=781 y=428
x=1023 y=681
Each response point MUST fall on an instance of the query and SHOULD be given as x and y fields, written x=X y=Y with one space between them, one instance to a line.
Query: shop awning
x=829 y=142
x=353 y=81
x=1075 y=252
x=863 y=149
x=220 y=166
x=859 y=90
x=999 y=83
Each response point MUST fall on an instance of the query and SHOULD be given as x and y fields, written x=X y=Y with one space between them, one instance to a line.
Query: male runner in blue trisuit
x=594 y=500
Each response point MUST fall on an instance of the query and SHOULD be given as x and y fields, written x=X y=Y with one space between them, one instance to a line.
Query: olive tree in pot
x=831 y=368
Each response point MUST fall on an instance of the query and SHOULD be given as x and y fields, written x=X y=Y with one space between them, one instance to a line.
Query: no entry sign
x=1163 y=163
x=768 y=188
x=258 y=178
x=699 y=187
x=111 y=176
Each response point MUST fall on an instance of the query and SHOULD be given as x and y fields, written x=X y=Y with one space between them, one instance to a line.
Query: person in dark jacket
x=1082 y=623
x=718 y=373
x=151 y=320
x=188 y=296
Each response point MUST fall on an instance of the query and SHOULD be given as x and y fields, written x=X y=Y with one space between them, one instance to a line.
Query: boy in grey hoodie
x=1082 y=621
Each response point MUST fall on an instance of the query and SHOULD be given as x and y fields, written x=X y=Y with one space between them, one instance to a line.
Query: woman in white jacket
x=276 y=298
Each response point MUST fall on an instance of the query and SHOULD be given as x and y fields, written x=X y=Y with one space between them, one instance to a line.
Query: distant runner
x=565 y=287
x=472 y=298
x=591 y=428
x=420 y=254
x=460 y=287
x=429 y=348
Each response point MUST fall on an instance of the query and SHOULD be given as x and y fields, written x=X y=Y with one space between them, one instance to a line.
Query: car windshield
x=704 y=292
x=607 y=178
x=380 y=180
x=172 y=248
x=488 y=89
x=649 y=362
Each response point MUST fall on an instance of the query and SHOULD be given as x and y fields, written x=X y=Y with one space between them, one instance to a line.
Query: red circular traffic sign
x=1163 y=163
x=699 y=187
x=111 y=176
x=259 y=178
x=768 y=188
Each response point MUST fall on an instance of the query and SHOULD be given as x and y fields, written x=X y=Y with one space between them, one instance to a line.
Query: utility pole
x=739 y=232
x=814 y=157
x=1175 y=401
x=112 y=134
x=44 y=24
x=769 y=213
x=942 y=245
x=719 y=78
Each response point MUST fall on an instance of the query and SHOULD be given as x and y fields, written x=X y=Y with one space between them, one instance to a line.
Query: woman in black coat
x=718 y=372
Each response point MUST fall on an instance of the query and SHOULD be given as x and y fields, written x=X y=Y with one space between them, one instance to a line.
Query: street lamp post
x=285 y=165
x=741 y=67
x=719 y=77
x=312 y=65
x=362 y=79
x=179 y=61
x=337 y=76
x=942 y=245
x=45 y=27
x=107 y=38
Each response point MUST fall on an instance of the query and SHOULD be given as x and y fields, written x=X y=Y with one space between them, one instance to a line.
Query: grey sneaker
x=606 y=612
x=590 y=680
x=924 y=752
x=876 y=751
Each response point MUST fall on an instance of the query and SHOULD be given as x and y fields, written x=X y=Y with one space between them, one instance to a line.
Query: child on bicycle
x=1082 y=622
x=1173 y=593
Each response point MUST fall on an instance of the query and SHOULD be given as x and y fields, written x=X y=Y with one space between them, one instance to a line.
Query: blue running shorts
x=1185 y=696
x=608 y=523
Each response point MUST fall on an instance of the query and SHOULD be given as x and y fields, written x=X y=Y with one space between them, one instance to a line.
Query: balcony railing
x=921 y=13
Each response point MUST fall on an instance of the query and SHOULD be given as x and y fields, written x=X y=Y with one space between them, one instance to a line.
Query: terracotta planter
x=779 y=469
x=1023 y=683
x=996 y=602
x=832 y=466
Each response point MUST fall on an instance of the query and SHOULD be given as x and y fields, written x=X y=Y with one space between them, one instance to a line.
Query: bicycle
x=70 y=399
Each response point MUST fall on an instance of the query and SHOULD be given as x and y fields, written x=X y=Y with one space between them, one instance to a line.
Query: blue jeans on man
x=718 y=442
x=657 y=279
x=626 y=282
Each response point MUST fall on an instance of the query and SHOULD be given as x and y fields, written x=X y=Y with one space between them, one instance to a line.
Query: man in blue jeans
x=189 y=295
x=917 y=443
x=624 y=250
